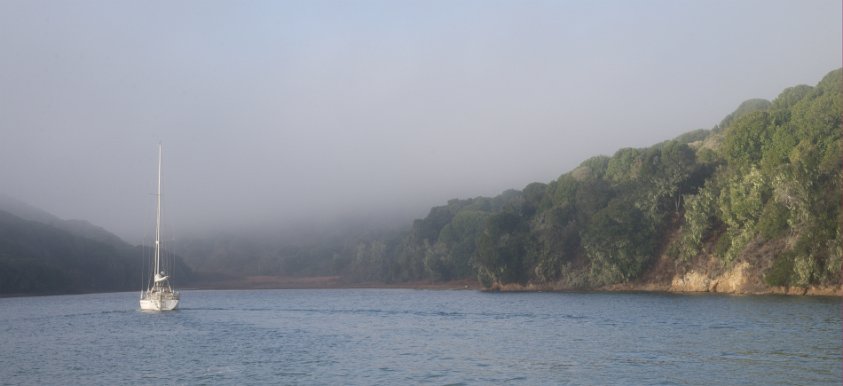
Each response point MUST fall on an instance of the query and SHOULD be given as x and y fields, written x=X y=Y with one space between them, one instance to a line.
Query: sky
x=278 y=112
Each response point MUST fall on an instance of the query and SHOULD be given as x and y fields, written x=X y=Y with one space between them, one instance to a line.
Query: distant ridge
x=41 y=253
x=81 y=228
x=25 y=210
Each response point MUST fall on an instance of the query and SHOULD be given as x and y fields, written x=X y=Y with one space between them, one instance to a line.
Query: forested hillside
x=761 y=189
x=67 y=256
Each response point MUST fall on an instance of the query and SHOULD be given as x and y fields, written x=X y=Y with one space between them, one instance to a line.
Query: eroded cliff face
x=739 y=279
x=708 y=276
x=708 y=272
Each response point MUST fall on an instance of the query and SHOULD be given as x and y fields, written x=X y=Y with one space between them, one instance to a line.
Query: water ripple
x=388 y=337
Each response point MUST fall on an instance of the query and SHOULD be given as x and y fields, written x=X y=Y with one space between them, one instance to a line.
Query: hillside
x=751 y=205
x=65 y=256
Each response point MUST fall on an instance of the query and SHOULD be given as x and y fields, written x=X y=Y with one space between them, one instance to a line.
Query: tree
x=503 y=254
x=745 y=108
x=699 y=219
x=624 y=166
x=741 y=202
x=534 y=195
x=791 y=96
x=677 y=162
x=619 y=242
x=557 y=240
x=746 y=138
x=459 y=240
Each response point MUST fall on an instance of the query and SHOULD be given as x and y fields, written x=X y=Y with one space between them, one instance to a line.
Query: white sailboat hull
x=159 y=301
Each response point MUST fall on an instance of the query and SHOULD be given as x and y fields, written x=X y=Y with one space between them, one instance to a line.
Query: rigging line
x=172 y=250
x=146 y=252
x=143 y=257
x=143 y=267
x=164 y=253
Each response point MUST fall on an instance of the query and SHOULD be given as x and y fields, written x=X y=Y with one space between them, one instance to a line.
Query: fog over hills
x=43 y=254
x=278 y=114
x=752 y=203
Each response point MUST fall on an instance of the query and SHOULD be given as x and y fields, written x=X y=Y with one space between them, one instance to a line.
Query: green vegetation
x=769 y=174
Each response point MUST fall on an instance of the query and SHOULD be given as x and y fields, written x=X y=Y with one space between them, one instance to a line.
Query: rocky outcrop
x=737 y=280
x=692 y=281
x=741 y=279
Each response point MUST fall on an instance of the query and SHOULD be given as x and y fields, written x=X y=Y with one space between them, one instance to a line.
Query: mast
x=160 y=296
x=158 y=217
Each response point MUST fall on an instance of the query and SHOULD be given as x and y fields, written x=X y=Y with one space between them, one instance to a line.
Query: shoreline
x=327 y=282
x=826 y=291
x=336 y=282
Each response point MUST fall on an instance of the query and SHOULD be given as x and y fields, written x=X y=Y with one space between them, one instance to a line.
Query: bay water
x=403 y=336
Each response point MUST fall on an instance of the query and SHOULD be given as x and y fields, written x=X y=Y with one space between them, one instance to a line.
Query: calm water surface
x=396 y=337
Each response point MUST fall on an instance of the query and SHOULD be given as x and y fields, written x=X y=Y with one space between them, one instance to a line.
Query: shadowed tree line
x=69 y=257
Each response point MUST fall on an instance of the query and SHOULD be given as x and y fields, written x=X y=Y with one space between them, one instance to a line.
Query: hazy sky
x=290 y=109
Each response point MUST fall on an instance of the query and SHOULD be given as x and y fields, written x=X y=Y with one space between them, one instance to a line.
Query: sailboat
x=159 y=294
